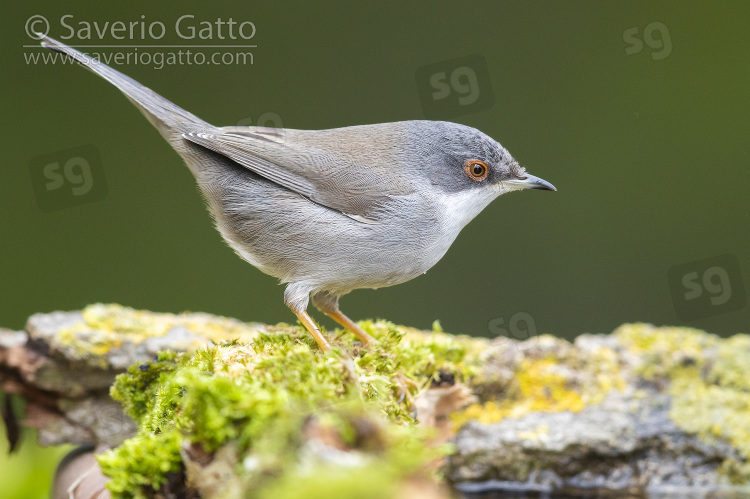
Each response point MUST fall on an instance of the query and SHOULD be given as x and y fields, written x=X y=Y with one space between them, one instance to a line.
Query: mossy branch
x=214 y=407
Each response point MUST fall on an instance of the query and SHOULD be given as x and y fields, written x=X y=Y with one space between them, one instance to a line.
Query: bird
x=330 y=211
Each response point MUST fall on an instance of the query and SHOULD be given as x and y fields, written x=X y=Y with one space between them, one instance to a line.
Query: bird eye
x=476 y=169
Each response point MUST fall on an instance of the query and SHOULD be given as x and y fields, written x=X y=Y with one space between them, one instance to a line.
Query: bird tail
x=171 y=120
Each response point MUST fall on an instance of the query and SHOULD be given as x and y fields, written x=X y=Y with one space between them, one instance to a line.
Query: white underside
x=462 y=207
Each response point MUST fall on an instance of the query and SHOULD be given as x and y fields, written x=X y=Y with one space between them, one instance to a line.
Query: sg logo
x=707 y=287
x=656 y=35
x=76 y=171
x=265 y=120
x=455 y=87
x=68 y=178
x=463 y=81
x=715 y=282
x=520 y=327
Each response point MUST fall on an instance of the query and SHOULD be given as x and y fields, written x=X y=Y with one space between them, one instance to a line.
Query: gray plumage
x=329 y=211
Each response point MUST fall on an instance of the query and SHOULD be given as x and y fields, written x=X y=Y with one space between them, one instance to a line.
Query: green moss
x=259 y=397
x=147 y=393
x=145 y=461
x=374 y=481
x=274 y=414
x=709 y=383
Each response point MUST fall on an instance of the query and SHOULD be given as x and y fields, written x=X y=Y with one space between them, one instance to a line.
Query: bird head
x=467 y=168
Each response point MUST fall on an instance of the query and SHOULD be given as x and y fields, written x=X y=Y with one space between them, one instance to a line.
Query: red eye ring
x=476 y=169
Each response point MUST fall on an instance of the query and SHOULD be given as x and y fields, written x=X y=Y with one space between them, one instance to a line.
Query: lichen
x=558 y=381
x=263 y=409
x=259 y=397
x=667 y=352
x=708 y=382
x=105 y=326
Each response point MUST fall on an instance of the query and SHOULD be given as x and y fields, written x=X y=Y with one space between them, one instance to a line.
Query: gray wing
x=321 y=170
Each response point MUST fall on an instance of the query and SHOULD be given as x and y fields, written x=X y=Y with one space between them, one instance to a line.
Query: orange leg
x=329 y=305
x=350 y=325
x=309 y=324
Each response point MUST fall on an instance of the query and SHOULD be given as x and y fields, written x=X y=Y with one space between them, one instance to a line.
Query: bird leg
x=329 y=305
x=312 y=328
x=296 y=298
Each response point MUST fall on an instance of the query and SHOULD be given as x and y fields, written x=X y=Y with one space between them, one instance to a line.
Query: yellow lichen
x=540 y=432
x=106 y=326
x=666 y=350
x=709 y=383
x=540 y=386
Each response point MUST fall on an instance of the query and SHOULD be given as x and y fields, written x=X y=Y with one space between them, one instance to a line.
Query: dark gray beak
x=530 y=182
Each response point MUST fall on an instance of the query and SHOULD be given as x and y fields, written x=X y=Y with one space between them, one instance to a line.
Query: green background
x=649 y=157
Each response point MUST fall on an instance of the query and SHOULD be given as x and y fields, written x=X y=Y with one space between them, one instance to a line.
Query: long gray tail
x=170 y=119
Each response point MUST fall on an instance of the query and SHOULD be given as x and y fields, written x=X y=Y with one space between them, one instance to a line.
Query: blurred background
x=638 y=113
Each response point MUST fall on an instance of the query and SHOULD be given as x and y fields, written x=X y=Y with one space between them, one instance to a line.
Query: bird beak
x=530 y=182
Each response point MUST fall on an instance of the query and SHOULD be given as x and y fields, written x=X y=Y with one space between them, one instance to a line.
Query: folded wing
x=332 y=178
